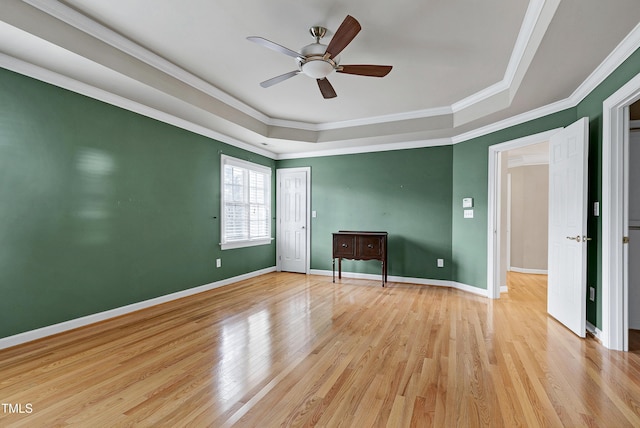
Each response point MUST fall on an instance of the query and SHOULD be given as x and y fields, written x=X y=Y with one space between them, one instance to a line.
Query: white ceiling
x=458 y=65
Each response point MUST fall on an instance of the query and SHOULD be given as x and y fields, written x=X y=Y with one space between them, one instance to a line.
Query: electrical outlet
x=218 y=263
x=440 y=262
x=592 y=294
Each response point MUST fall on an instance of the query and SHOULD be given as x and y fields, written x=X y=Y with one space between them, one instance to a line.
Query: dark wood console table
x=355 y=245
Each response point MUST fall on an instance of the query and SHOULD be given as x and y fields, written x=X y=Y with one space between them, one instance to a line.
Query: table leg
x=334 y=269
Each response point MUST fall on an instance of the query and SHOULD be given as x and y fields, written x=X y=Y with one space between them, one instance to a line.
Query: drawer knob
x=345 y=245
x=370 y=245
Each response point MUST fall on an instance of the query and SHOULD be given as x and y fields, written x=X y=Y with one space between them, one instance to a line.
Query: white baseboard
x=504 y=289
x=525 y=270
x=407 y=280
x=50 y=330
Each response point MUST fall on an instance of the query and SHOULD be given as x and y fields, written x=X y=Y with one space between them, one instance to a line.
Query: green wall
x=471 y=179
x=101 y=207
x=591 y=107
x=470 y=175
x=405 y=192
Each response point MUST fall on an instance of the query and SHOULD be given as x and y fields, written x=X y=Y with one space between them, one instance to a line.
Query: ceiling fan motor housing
x=313 y=64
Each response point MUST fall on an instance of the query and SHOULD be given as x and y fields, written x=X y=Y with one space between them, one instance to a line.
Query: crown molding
x=61 y=81
x=620 y=54
x=418 y=144
x=627 y=47
x=83 y=23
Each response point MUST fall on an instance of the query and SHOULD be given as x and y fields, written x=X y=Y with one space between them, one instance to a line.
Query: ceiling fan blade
x=365 y=70
x=278 y=79
x=349 y=28
x=274 y=46
x=326 y=88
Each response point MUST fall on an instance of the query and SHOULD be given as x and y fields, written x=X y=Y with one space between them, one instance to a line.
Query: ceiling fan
x=317 y=60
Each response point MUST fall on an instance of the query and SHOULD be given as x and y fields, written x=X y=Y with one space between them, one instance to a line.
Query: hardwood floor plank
x=296 y=350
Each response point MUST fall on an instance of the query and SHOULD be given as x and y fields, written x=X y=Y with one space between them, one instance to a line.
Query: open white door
x=567 y=280
x=293 y=232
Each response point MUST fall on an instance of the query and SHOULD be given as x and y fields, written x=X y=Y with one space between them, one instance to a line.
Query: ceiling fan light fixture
x=317 y=60
x=317 y=68
x=313 y=63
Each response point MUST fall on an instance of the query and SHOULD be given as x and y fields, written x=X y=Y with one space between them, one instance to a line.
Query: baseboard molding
x=532 y=271
x=407 y=280
x=504 y=289
x=50 y=330
x=592 y=329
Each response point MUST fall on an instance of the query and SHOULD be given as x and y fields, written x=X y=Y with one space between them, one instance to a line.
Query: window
x=246 y=203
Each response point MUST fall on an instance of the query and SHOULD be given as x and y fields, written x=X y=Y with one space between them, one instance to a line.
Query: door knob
x=574 y=238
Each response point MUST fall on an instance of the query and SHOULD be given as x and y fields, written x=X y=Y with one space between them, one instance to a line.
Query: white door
x=633 y=258
x=567 y=279
x=292 y=219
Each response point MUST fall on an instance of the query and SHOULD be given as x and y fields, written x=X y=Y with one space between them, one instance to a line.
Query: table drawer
x=369 y=247
x=344 y=246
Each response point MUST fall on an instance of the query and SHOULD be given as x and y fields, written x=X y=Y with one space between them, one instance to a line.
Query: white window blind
x=246 y=203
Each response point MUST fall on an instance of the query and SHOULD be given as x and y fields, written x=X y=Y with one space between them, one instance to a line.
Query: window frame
x=225 y=243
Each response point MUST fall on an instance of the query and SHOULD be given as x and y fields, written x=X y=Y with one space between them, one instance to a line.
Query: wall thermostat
x=467 y=202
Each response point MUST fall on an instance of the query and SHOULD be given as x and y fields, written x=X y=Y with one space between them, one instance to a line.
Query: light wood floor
x=293 y=350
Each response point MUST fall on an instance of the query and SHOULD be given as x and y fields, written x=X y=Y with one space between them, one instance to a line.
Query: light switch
x=468 y=213
x=314 y=214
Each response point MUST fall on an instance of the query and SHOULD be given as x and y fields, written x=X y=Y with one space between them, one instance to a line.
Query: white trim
x=244 y=244
x=504 y=289
x=614 y=287
x=279 y=171
x=493 y=255
x=534 y=26
x=623 y=51
x=515 y=120
x=85 y=24
x=249 y=167
x=508 y=231
x=519 y=56
x=368 y=149
x=44 y=75
x=407 y=280
x=371 y=120
x=50 y=330
x=526 y=270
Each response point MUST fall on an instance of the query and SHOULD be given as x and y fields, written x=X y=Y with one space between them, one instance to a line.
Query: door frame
x=615 y=145
x=279 y=172
x=493 y=205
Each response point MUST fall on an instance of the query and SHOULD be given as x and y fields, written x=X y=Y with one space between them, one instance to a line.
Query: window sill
x=243 y=244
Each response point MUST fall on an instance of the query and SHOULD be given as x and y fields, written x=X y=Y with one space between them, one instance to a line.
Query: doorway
x=526 y=207
x=293 y=226
x=615 y=215
x=497 y=229
x=633 y=259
